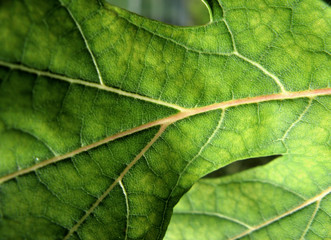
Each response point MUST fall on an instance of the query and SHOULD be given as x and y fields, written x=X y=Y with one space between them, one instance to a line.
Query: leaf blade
x=276 y=216
x=69 y=116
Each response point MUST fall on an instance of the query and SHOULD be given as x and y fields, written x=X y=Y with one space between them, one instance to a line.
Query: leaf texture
x=277 y=201
x=108 y=118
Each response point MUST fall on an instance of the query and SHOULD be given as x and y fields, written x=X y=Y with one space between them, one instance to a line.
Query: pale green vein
x=190 y=162
x=187 y=48
x=308 y=202
x=257 y=65
x=235 y=52
x=89 y=84
x=86 y=43
x=212 y=214
x=127 y=208
x=34 y=136
x=211 y=19
x=273 y=184
x=297 y=121
x=231 y=35
x=265 y=71
x=311 y=220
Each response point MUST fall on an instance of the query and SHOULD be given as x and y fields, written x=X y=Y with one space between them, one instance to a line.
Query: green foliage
x=108 y=118
x=277 y=201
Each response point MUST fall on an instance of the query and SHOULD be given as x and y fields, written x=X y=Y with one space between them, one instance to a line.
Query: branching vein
x=117 y=180
x=190 y=162
x=297 y=121
x=315 y=199
x=212 y=214
x=86 y=44
x=311 y=219
x=265 y=71
x=89 y=84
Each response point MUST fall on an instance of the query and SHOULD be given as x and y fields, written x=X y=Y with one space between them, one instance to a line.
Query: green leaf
x=277 y=201
x=108 y=118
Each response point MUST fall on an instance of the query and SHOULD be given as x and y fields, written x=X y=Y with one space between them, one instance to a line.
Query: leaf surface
x=108 y=118
x=277 y=201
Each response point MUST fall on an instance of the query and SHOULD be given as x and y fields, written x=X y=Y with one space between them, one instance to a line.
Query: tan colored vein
x=117 y=180
x=80 y=150
x=171 y=119
x=310 y=201
x=260 y=99
x=89 y=84
x=86 y=43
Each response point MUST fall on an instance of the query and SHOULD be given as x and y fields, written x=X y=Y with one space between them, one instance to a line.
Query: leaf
x=108 y=118
x=277 y=201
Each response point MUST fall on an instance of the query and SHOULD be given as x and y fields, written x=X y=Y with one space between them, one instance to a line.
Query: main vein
x=169 y=120
x=310 y=201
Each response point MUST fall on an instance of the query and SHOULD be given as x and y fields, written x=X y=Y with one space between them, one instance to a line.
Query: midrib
x=170 y=120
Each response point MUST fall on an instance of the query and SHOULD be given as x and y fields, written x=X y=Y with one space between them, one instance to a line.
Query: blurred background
x=176 y=12
x=186 y=13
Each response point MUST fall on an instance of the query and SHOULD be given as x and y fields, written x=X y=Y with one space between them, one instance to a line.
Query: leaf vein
x=311 y=220
x=89 y=84
x=190 y=162
x=310 y=201
x=85 y=42
x=170 y=120
x=117 y=180
x=265 y=71
x=127 y=208
x=212 y=214
x=174 y=41
x=298 y=120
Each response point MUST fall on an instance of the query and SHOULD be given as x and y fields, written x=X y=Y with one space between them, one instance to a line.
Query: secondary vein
x=308 y=202
x=265 y=71
x=86 y=43
x=117 y=180
x=219 y=124
x=213 y=214
x=89 y=84
x=127 y=208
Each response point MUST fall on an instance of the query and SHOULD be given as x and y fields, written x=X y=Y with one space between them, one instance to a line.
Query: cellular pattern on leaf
x=108 y=118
